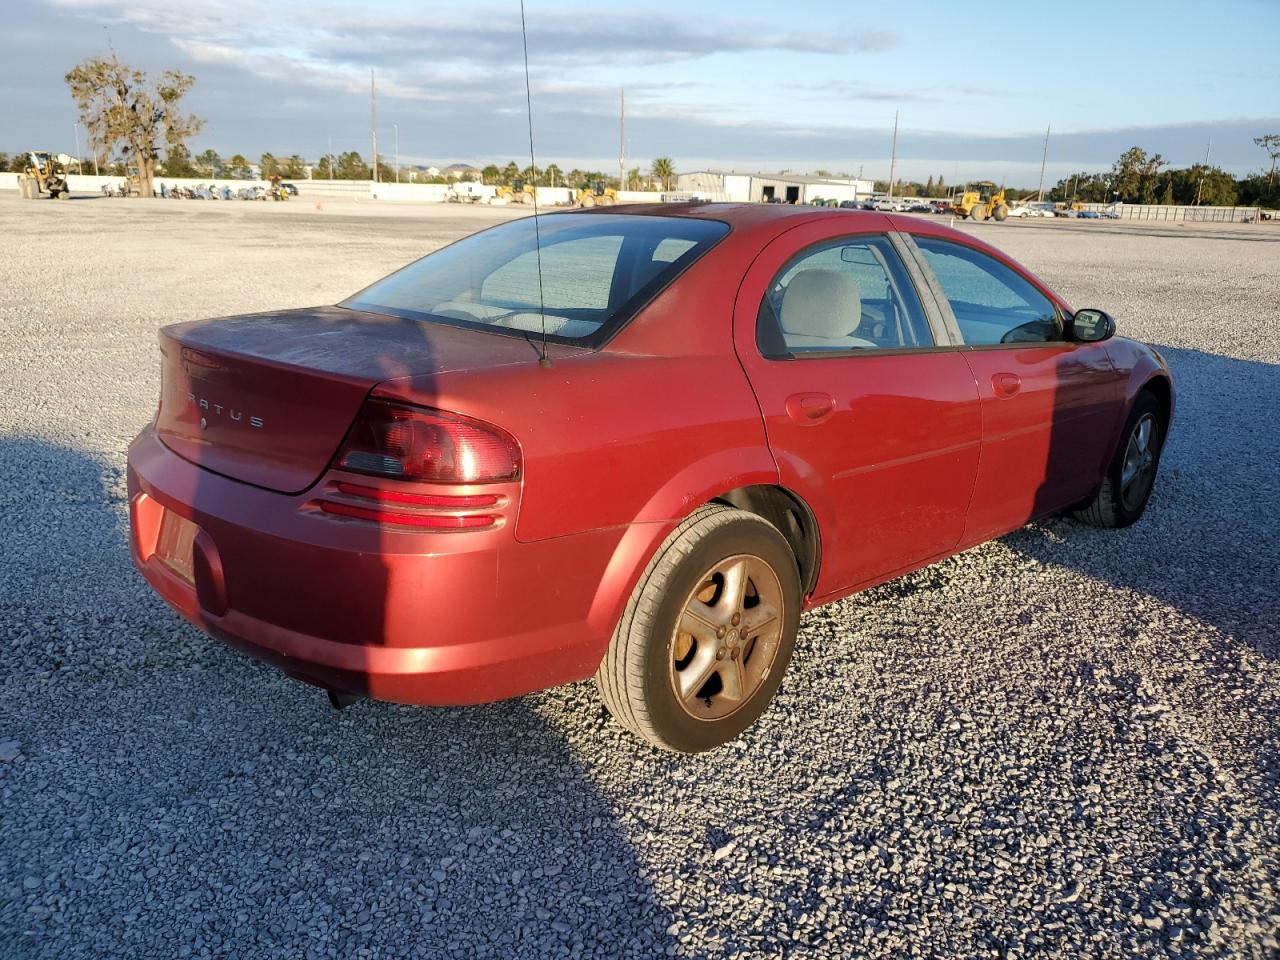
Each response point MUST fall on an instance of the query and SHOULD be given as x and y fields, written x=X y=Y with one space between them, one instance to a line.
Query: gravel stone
x=1062 y=743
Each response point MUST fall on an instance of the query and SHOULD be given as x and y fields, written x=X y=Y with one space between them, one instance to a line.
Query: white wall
x=737 y=187
x=339 y=189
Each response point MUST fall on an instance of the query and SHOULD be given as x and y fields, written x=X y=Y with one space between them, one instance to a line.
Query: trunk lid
x=267 y=398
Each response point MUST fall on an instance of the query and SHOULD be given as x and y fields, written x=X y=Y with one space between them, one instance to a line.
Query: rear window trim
x=595 y=341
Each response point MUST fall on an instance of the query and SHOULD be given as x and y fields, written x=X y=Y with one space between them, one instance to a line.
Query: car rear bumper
x=431 y=618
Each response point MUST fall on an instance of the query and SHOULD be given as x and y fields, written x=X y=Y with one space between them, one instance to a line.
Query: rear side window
x=847 y=294
x=991 y=302
x=592 y=272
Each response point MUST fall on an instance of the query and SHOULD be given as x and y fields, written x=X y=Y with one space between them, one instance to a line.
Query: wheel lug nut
x=737 y=619
x=720 y=633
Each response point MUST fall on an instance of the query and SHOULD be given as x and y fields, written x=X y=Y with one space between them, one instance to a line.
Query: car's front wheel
x=1131 y=474
x=707 y=634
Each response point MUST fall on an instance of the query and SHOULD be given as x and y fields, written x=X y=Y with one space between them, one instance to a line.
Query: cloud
x=480 y=36
x=281 y=90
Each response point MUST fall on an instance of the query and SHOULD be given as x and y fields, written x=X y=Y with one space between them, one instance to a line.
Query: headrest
x=821 y=303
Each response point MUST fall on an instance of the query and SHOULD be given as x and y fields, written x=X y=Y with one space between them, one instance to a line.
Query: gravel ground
x=1064 y=743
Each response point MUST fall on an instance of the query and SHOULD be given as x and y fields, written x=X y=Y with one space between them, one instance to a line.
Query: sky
x=723 y=84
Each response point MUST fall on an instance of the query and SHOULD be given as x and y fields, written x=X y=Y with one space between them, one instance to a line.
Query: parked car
x=940 y=206
x=641 y=462
x=886 y=205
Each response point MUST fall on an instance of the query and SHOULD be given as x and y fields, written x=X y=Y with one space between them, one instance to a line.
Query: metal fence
x=1159 y=211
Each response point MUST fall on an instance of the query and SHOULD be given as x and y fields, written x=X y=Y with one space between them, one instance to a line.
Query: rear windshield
x=597 y=270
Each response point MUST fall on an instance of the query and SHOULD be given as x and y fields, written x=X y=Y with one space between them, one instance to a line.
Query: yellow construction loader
x=596 y=194
x=45 y=173
x=516 y=192
x=981 y=200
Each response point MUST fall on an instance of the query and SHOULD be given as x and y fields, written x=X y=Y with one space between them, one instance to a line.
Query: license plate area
x=176 y=545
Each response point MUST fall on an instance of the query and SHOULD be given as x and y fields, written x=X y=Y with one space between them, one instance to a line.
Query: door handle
x=810 y=408
x=1006 y=385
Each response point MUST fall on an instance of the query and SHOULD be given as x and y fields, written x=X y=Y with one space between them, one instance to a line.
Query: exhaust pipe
x=340 y=699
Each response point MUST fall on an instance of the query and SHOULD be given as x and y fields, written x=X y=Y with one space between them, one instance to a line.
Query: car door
x=871 y=414
x=1048 y=404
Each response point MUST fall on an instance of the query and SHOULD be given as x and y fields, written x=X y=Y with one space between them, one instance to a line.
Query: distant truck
x=45 y=173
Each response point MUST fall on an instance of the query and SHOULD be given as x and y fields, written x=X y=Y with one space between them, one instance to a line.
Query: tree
x=490 y=174
x=1259 y=190
x=268 y=166
x=510 y=172
x=1135 y=176
x=351 y=166
x=294 y=168
x=1208 y=186
x=665 y=170
x=554 y=174
x=119 y=106
x=209 y=163
x=238 y=167
x=928 y=188
x=177 y=162
x=1270 y=142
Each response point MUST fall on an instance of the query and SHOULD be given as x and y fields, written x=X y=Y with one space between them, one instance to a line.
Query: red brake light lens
x=415 y=443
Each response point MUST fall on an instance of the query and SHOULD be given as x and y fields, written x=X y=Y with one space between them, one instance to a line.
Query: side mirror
x=1092 y=326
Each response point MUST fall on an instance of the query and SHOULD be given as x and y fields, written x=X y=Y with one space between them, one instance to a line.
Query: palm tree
x=665 y=170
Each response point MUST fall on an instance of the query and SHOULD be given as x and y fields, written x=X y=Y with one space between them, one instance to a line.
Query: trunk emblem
x=236 y=416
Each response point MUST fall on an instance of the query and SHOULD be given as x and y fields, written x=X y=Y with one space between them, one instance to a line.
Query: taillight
x=415 y=443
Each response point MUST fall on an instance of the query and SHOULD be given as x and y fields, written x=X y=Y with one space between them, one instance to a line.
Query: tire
x=1117 y=503
x=979 y=212
x=648 y=656
x=1000 y=212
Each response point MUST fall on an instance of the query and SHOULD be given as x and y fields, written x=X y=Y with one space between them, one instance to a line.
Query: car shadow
x=235 y=809
x=1212 y=528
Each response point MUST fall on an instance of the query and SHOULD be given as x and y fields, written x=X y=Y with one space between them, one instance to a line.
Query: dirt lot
x=1064 y=743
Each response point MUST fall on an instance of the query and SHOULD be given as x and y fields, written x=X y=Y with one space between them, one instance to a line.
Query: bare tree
x=120 y=107
x=1270 y=142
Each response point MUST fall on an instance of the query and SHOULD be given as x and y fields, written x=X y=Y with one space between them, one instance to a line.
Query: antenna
x=545 y=359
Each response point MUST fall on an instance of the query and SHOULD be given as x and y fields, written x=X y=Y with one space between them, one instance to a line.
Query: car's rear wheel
x=707 y=634
x=1131 y=474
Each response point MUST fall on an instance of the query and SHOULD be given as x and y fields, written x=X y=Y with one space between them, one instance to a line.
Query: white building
x=770 y=187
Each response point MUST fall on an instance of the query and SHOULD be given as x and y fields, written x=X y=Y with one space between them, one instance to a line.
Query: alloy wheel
x=1139 y=468
x=727 y=637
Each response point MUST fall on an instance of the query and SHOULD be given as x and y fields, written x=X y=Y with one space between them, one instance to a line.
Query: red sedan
x=635 y=444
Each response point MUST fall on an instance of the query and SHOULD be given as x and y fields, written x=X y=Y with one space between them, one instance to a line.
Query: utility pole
x=1203 y=171
x=76 y=127
x=373 y=121
x=893 y=156
x=396 y=128
x=622 y=138
x=1043 y=160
